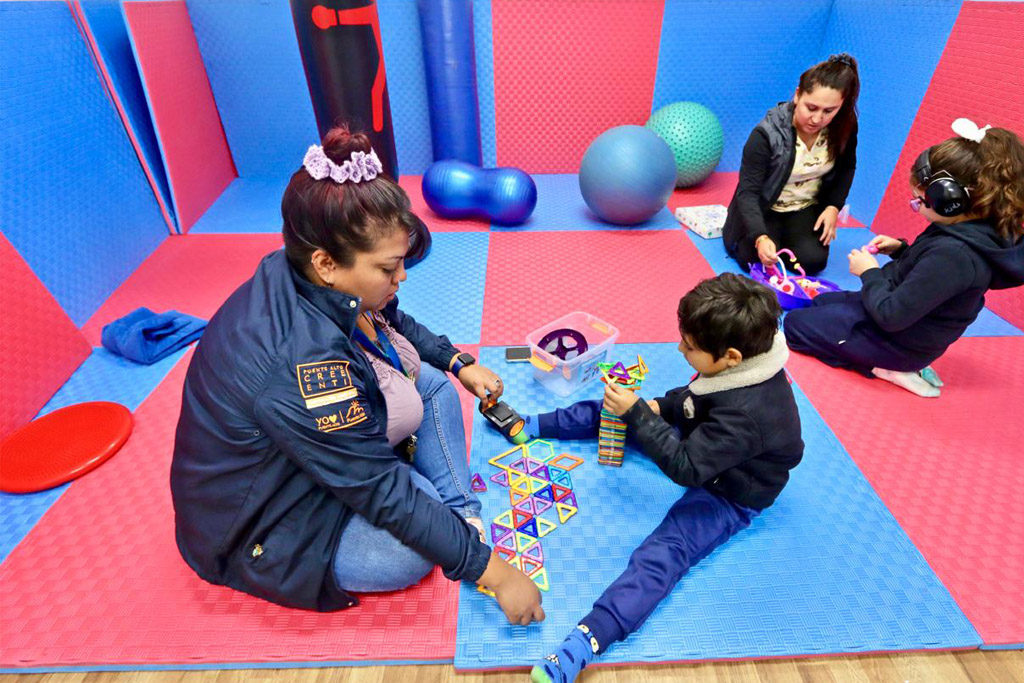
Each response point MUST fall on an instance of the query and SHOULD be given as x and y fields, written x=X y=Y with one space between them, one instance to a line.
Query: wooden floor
x=943 y=667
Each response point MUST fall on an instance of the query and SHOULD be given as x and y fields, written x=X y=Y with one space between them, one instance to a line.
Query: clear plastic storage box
x=563 y=377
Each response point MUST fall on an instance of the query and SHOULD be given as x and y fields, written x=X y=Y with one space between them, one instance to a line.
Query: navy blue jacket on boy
x=934 y=288
x=282 y=439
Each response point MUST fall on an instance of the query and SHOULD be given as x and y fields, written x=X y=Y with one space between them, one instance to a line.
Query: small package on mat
x=706 y=221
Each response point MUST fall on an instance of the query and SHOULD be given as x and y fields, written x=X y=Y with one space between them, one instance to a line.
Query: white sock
x=911 y=381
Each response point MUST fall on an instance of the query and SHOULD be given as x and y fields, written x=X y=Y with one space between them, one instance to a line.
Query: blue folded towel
x=145 y=337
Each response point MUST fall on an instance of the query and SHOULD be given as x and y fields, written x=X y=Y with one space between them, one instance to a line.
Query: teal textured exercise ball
x=695 y=137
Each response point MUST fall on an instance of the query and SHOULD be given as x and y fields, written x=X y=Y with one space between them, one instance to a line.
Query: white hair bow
x=966 y=128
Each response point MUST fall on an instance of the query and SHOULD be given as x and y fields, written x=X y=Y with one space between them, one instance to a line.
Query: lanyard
x=382 y=349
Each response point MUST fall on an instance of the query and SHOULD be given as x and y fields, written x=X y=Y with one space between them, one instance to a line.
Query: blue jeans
x=370 y=559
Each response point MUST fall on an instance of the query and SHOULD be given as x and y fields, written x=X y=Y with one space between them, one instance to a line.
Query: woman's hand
x=766 y=251
x=827 y=224
x=481 y=381
x=517 y=595
x=618 y=400
x=860 y=261
x=885 y=244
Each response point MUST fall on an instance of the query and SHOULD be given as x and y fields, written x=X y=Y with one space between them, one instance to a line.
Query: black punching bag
x=341 y=49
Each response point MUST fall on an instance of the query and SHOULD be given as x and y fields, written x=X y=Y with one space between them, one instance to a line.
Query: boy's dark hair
x=730 y=311
x=348 y=218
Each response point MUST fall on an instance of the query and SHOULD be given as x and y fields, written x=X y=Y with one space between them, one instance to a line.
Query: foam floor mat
x=99 y=584
x=825 y=570
x=987 y=324
x=949 y=468
x=630 y=278
x=247 y=205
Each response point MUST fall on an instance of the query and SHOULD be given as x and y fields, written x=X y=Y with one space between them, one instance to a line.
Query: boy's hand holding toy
x=617 y=400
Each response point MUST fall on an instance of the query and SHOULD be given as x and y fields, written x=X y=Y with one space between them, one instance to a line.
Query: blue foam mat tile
x=103 y=376
x=248 y=205
x=453 y=274
x=483 y=34
x=560 y=206
x=781 y=38
x=252 y=59
x=988 y=324
x=896 y=65
x=825 y=570
x=407 y=86
x=111 y=35
x=75 y=202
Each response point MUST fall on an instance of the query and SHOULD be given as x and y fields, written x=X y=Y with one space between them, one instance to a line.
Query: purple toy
x=554 y=342
x=797 y=292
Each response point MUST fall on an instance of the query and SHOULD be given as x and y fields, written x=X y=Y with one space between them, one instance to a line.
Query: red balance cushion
x=62 y=445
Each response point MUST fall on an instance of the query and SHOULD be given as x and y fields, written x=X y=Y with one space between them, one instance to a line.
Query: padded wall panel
x=738 y=58
x=484 y=46
x=74 y=201
x=252 y=58
x=39 y=345
x=192 y=141
x=566 y=71
x=897 y=44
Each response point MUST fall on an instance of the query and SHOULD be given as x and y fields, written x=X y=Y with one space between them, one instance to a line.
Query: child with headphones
x=907 y=313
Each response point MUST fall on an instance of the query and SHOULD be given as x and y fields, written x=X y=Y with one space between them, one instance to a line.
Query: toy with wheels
x=792 y=292
x=695 y=137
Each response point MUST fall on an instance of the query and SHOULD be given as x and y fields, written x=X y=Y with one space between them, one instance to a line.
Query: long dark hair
x=346 y=218
x=840 y=73
x=993 y=172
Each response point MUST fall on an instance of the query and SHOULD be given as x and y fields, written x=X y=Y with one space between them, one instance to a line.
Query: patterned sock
x=568 y=660
x=932 y=377
x=911 y=381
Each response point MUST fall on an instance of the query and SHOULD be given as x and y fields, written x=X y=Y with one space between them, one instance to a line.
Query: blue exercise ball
x=455 y=189
x=627 y=175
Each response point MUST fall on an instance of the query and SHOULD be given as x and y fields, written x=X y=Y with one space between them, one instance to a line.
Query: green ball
x=695 y=136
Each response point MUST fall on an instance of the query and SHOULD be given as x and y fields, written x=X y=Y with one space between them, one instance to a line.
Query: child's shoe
x=568 y=660
x=911 y=381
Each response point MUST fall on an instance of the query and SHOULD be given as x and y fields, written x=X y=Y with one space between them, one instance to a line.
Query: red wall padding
x=199 y=164
x=606 y=52
x=39 y=345
x=980 y=76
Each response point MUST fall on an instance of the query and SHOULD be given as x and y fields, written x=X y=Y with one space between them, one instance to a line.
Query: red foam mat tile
x=949 y=469
x=983 y=63
x=631 y=279
x=195 y=150
x=607 y=57
x=413 y=186
x=192 y=274
x=99 y=582
x=39 y=344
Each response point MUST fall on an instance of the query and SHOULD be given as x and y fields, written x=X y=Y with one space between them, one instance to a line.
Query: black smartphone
x=518 y=354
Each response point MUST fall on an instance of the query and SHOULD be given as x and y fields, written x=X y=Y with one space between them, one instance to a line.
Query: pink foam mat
x=949 y=469
x=99 y=582
x=39 y=344
x=544 y=117
x=192 y=141
x=192 y=274
x=630 y=278
x=413 y=185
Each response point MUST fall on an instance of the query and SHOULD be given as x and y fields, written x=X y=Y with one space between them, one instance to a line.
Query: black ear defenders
x=943 y=193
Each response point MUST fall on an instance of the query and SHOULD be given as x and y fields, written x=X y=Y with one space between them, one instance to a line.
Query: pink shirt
x=405 y=405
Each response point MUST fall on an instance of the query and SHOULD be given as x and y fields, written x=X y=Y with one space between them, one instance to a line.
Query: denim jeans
x=370 y=559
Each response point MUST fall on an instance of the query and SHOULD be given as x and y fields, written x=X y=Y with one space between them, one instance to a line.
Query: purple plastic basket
x=798 y=299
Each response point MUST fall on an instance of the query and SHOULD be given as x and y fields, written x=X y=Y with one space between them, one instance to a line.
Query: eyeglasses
x=917 y=202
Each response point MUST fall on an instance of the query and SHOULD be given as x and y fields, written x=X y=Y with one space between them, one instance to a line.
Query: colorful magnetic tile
x=519 y=518
x=532 y=465
x=570 y=499
x=559 y=492
x=516 y=561
x=502 y=460
x=535 y=553
x=545 y=494
x=540 y=577
x=541 y=506
x=501 y=478
x=518 y=480
x=566 y=461
x=499 y=532
x=561 y=477
x=564 y=512
x=529 y=565
x=505 y=520
x=524 y=541
x=504 y=553
x=537 y=484
x=526 y=505
x=544 y=527
x=485 y=591
x=517 y=496
x=477 y=485
x=539 y=449
x=519 y=465
x=530 y=528
x=541 y=472
x=508 y=542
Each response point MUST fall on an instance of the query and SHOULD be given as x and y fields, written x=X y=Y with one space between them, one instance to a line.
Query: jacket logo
x=347 y=416
x=324 y=383
x=688 y=410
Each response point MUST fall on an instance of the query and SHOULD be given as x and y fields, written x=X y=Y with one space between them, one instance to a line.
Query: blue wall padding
x=407 y=85
x=252 y=60
x=897 y=44
x=737 y=58
x=484 y=40
x=75 y=202
x=450 y=61
x=108 y=29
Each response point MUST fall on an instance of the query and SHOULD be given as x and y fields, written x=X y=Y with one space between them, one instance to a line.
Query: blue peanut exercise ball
x=695 y=136
x=455 y=189
x=627 y=175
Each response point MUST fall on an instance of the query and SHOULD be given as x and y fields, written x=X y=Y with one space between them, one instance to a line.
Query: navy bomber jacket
x=281 y=440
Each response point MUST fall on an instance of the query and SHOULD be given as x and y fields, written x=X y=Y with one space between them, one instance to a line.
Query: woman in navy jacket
x=320 y=448
x=797 y=168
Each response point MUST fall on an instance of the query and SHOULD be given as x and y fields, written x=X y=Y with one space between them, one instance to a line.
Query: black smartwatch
x=461 y=361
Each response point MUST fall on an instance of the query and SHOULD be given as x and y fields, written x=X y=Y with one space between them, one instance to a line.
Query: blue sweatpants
x=695 y=525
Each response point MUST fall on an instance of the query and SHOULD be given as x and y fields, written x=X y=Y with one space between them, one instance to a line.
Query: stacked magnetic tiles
x=611 y=435
x=538 y=483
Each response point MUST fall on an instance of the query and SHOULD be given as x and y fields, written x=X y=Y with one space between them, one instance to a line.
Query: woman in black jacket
x=797 y=169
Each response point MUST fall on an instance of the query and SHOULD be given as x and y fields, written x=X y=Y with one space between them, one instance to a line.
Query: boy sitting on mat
x=732 y=434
